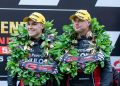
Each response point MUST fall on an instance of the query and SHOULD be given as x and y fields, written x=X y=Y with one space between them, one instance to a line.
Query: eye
x=34 y=23
x=27 y=24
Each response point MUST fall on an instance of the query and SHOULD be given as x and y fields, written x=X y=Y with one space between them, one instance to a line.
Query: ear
x=88 y=23
x=42 y=28
x=42 y=25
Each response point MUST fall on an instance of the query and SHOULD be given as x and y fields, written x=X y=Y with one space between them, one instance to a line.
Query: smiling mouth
x=78 y=28
x=31 y=30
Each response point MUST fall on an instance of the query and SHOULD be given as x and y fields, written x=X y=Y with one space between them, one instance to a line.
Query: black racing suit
x=35 y=56
x=103 y=76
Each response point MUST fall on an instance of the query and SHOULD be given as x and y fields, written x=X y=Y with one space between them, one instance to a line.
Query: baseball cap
x=35 y=16
x=82 y=15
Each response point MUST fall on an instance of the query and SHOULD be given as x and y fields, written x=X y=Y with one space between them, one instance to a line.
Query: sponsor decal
x=36 y=67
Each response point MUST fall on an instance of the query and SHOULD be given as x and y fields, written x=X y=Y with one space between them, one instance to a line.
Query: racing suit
x=35 y=55
x=100 y=76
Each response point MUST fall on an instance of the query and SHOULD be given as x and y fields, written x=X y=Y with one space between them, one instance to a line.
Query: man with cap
x=35 y=28
x=35 y=24
x=85 y=38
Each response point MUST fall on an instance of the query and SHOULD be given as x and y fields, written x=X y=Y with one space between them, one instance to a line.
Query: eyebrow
x=32 y=23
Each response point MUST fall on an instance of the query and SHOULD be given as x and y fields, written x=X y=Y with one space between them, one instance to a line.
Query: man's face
x=34 y=28
x=80 y=25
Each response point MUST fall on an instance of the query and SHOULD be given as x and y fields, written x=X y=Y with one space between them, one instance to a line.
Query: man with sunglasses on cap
x=85 y=38
x=35 y=29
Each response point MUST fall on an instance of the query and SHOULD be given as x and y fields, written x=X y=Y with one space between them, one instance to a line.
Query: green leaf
x=30 y=84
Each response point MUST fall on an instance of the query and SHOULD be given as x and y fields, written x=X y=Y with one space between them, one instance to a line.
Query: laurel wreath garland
x=66 y=42
x=21 y=38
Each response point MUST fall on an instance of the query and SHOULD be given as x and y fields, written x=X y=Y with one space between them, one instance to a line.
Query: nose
x=76 y=23
x=29 y=26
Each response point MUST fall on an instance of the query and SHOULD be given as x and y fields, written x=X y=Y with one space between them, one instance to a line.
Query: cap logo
x=82 y=13
x=34 y=19
x=35 y=15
